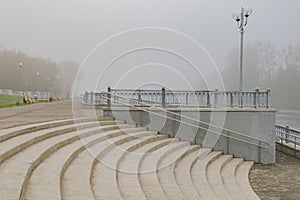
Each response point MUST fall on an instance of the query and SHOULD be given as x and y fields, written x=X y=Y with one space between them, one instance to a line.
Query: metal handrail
x=285 y=133
x=266 y=144
x=290 y=134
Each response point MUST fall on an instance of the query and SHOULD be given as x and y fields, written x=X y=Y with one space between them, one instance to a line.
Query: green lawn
x=9 y=101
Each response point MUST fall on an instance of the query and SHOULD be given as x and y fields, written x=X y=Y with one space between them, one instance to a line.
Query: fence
x=163 y=97
x=287 y=135
x=39 y=94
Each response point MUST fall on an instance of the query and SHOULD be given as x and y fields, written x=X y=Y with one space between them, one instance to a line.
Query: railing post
x=256 y=96
x=86 y=97
x=268 y=99
x=139 y=96
x=208 y=98
x=240 y=99
x=287 y=131
x=187 y=98
x=216 y=97
x=108 y=98
x=231 y=99
x=92 y=98
x=163 y=97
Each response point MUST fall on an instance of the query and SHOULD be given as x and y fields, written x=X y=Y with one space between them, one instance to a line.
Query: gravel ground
x=277 y=181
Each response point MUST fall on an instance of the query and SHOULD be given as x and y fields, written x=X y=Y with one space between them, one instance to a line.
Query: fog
x=67 y=30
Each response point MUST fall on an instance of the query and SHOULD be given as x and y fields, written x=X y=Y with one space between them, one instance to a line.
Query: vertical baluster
x=86 y=98
x=108 y=98
x=216 y=97
x=163 y=96
x=287 y=130
x=231 y=99
x=207 y=98
x=256 y=96
x=268 y=100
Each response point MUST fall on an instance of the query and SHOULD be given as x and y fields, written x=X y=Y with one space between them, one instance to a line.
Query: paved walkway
x=16 y=116
x=41 y=112
x=279 y=181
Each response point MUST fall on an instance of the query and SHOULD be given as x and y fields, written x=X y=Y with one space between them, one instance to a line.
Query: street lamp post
x=241 y=17
x=37 y=83
x=48 y=79
x=53 y=89
x=19 y=82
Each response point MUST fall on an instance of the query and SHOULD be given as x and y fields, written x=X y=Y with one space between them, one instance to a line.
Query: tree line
x=35 y=73
x=268 y=67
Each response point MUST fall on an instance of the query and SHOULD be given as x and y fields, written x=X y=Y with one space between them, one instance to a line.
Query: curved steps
x=242 y=179
x=104 y=176
x=28 y=153
x=73 y=187
x=165 y=172
x=128 y=167
x=55 y=164
x=151 y=165
x=199 y=175
x=183 y=175
x=228 y=177
x=213 y=173
x=108 y=159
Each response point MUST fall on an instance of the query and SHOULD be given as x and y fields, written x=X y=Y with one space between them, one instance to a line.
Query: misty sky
x=69 y=29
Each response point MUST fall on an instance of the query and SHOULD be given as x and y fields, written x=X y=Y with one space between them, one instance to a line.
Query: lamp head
x=236 y=16
x=247 y=11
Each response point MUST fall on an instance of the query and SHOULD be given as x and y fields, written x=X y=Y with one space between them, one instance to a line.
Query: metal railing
x=109 y=97
x=40 y=94
x=168 y=98
x=288 y=136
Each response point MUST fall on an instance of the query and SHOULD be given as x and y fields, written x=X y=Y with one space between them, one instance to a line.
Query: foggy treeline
x=268 y=67
x=265 y=66
x=36 y=74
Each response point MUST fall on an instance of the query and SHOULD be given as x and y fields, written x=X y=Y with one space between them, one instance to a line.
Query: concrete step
x=6 y=134
x=130 y=169
x=44 y=182
x=148 y=169
x=107 y=159
x=128 y=166
x=165 y=174
x=20 y=130
x=14 y=145
x=183 y=174
x=199 y=175
x=214 y=177
x=242 y=179
x=16 y=170
x=228 y=177
x=78 y=187
x=104 y=179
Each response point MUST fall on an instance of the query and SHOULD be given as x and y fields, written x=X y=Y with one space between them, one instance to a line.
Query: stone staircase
x=109 y=159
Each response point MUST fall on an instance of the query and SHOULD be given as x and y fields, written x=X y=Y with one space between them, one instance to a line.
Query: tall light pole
x=20 y=76
x=48 y=79
x=37 y=83
x=241 y=17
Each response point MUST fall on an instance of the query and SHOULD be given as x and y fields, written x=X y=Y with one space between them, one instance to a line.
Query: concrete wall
x=288 y=150
x=258 y=123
